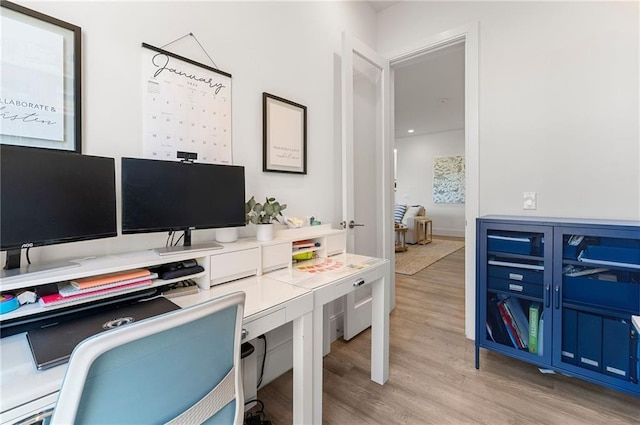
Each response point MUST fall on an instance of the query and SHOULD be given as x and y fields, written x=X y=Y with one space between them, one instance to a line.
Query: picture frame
x=40 y=91
x=284 y=125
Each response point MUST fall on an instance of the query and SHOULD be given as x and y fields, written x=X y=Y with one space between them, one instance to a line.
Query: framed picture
x=284 y=126
x=40 y=99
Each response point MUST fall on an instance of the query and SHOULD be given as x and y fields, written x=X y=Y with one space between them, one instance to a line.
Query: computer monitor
x=52 y=197
x=160 y=196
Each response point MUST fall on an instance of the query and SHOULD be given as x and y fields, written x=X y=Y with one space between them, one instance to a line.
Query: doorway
x=466 y=36
x=429 y=137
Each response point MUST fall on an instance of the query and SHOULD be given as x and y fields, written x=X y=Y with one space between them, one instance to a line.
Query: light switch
x=529 y=200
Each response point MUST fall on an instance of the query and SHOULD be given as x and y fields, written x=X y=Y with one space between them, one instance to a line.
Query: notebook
x=52 y=345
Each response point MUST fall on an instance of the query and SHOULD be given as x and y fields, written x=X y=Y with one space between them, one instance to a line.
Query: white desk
x=276 y=298
x=329 y=284
x=268 y=305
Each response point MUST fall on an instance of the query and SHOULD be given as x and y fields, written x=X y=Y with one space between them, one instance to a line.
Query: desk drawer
x=515 y=287
x=30 y=413
x=336 y=244
x=233 y=265
x=516 y=274
x=276 y=256
x=264 y=324
x=344 y=286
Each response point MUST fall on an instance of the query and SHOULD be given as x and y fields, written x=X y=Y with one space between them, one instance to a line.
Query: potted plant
x=263 y=215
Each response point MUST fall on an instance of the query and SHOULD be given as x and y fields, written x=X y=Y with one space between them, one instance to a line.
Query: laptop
x=52 y=345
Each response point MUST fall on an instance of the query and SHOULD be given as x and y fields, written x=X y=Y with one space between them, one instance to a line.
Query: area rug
x=417 y=257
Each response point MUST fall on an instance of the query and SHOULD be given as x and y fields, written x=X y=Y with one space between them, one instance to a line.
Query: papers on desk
x=318 y=271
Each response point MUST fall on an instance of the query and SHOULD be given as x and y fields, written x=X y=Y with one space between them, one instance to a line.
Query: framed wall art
x=40 y=88
x=284 y=125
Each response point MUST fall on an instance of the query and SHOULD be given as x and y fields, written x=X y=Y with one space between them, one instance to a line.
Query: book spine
x=508 y=321
x=55 y=299
x=534 y=316
x=109 y=278
x=520 y=319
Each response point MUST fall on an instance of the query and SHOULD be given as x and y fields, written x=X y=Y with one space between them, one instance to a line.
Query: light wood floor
x=432 y=375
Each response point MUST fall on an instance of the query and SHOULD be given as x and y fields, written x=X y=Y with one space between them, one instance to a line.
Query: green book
x=534 y=321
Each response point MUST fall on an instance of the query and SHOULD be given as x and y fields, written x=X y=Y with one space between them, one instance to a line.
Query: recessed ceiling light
x=410 y=130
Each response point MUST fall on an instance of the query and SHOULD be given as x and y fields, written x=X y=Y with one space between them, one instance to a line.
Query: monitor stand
x=34 y=269
x=187 y=247
x=169 y=250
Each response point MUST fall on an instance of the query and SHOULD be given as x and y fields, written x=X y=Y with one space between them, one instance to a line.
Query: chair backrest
x=155 y=370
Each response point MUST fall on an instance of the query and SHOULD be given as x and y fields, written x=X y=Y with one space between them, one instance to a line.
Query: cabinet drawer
x=524 y=244
x=336 y=244
x=516 y=274
x=264 y=324
x=515 y=287
x=275 y=256
x=233 y=265
x=603 y=293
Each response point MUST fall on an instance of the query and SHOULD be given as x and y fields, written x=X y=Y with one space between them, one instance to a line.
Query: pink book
x=55 y=299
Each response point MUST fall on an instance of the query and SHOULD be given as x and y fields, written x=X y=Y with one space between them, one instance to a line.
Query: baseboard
x=457 y=233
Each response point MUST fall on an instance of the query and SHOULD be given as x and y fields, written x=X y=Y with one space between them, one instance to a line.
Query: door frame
x=467 y=34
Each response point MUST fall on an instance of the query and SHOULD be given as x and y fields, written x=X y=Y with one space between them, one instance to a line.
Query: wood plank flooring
x=432 y=375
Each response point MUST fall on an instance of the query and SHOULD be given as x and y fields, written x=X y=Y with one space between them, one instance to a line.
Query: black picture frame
x=47 y=113
x=284 y=129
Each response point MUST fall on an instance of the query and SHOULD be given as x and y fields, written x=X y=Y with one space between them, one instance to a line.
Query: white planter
x=227 y=234
x=264 y=232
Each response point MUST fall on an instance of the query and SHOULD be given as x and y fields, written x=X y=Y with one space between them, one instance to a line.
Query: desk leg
x=302 y=369
x=379 y=331
x=318 y=350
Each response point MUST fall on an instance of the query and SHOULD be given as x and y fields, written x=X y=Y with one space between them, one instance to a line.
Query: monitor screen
x=167 y=195
x=50 y=197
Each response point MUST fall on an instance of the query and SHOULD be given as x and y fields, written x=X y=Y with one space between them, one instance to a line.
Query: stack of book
x=298 y=245
x=516 y=322
x=303 y=245
x=94 y=286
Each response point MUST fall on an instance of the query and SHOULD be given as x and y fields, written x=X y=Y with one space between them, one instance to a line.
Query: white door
x=367 y=159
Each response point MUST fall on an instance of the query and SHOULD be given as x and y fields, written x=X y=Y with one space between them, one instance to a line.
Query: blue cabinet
x=560 y=294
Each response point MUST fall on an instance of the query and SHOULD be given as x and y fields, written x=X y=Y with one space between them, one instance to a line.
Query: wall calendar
x=186 y=108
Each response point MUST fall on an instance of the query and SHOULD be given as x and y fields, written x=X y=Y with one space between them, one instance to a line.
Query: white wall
x=415 y=177
x=289 y=49
x=559 y=110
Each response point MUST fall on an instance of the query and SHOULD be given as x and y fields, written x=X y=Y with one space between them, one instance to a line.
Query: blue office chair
x=182 y=367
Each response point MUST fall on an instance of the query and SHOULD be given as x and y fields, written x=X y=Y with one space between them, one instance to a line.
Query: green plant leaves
x=258 y=213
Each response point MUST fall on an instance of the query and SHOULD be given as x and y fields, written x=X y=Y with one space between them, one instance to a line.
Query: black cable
x=256 y=401
x=168 y=236
x=179 y=239
x=27 y=255
x=264 y=357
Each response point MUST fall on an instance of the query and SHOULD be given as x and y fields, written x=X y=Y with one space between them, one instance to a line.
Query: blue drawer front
x=617 y=295
x=516 y=274
x=613 y=254
x=616 y=346
x=518 y=244
x=515 y=287
x=621 y=243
